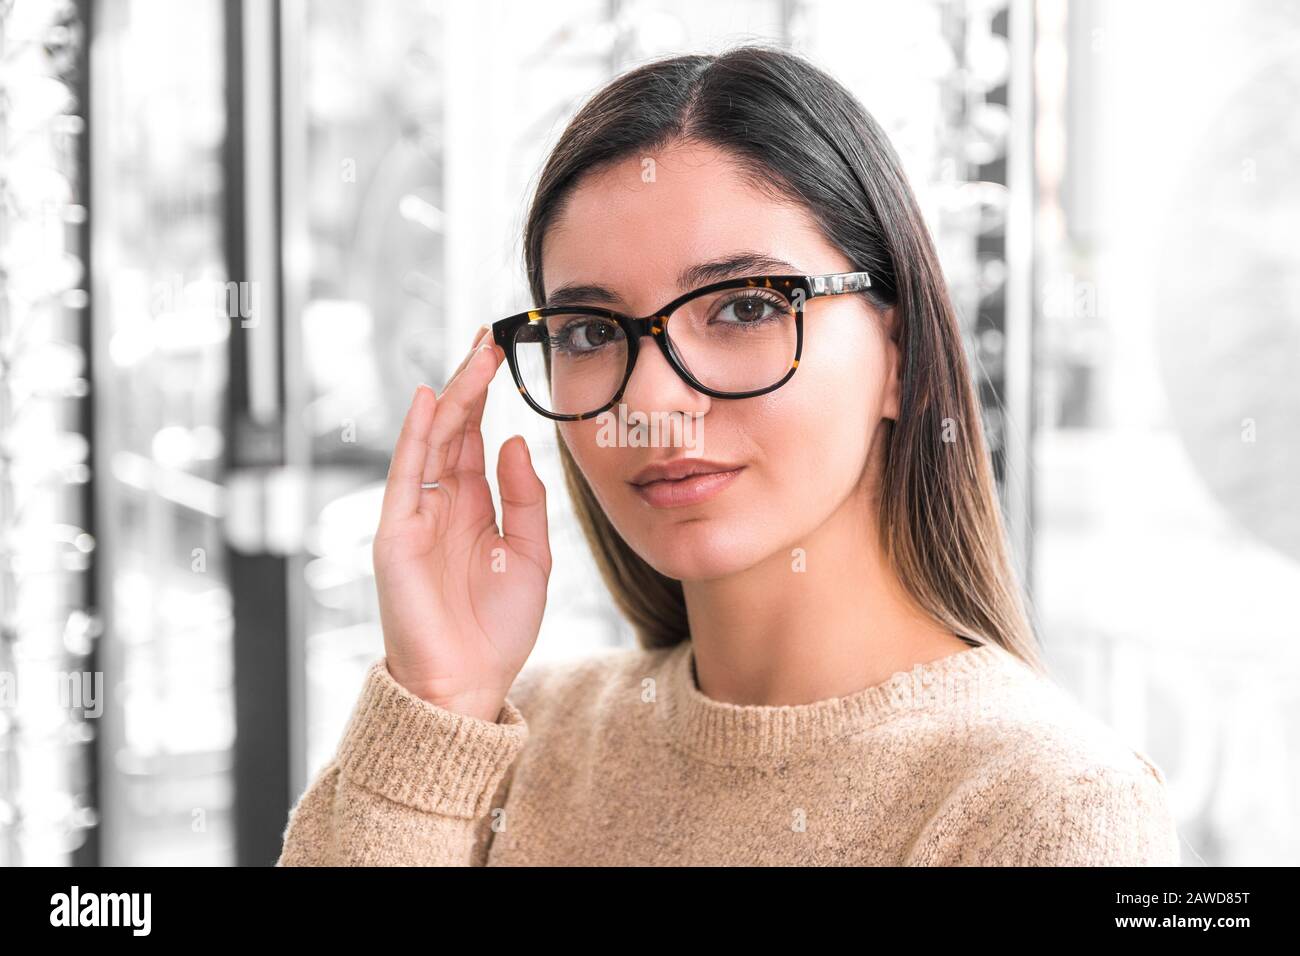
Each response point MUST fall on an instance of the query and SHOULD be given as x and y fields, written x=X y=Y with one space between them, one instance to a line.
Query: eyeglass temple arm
x=840 y=282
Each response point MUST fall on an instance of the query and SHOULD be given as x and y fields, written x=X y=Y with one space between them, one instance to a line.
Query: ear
x=893 y=364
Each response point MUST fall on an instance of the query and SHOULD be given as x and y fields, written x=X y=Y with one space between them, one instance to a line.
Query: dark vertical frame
x=258 y=581
x=1006 y=394
x=992 y=315
x=90 y=853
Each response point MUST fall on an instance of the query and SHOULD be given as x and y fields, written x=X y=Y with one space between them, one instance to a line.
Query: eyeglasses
x=731 y=339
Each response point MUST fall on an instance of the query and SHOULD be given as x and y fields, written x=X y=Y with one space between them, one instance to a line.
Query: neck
x=822 y=617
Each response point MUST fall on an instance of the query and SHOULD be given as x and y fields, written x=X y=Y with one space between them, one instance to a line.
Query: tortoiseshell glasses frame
x=796 y=290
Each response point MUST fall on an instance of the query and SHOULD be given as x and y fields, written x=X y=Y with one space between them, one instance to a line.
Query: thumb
x=523 y=503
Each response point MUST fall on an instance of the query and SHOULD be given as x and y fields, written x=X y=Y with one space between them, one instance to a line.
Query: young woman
x=835 y=665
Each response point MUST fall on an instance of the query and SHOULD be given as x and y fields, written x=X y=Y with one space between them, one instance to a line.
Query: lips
x=683 y=482
x=680 y=468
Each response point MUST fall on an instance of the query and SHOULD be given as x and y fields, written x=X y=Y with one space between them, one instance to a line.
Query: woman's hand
x=460 y=605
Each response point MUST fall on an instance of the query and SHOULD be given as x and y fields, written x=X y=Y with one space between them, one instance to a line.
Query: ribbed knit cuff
x=424 y=756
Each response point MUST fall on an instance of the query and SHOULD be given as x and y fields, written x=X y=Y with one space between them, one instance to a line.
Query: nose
x=655 y=385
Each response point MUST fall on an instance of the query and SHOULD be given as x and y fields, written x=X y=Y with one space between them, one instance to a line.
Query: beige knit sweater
x=618 y=758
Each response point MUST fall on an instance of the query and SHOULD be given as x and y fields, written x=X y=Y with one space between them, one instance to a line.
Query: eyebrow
x=702 y=273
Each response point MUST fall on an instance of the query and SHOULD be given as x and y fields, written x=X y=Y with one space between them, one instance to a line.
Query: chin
x=696 y=550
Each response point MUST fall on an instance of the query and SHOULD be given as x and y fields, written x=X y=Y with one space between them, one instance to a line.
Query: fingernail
x=417 y=391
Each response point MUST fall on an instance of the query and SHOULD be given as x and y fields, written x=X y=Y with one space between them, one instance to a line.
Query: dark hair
x=799 y=135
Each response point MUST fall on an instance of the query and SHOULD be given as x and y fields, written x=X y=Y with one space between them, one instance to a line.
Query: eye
x=749 y=308
x=585 y=335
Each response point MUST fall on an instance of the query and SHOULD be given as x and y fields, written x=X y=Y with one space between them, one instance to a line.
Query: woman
x=835 y=663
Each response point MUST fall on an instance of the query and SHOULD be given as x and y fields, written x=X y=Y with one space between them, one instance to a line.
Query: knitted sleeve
x=411 y=784
x=1100 y=816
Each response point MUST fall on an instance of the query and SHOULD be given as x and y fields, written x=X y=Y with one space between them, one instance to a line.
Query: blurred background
x=227 y=237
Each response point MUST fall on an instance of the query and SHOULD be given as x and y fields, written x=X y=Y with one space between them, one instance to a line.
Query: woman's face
x=801 y=450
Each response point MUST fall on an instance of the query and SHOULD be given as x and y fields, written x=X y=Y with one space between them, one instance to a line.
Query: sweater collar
x=755 y=734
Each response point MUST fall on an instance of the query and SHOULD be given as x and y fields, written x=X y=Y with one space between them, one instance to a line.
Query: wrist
x=485 y=705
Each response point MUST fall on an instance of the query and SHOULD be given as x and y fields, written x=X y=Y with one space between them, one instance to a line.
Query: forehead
x=635 y=225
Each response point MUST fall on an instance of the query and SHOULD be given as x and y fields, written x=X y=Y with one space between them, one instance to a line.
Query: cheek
x=599 y=464
x=580 y=439
x=825 y=415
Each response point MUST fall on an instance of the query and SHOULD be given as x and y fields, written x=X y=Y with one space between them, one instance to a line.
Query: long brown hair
x=792 y=127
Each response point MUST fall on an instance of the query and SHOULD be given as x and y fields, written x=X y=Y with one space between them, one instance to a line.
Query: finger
x=469 y=458
x=450 y=464
x=454 y=406
x=402 y=489
x=478 y=337
x=523 y=503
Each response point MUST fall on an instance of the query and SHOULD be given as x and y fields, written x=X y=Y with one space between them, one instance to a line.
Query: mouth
x=705 y=481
